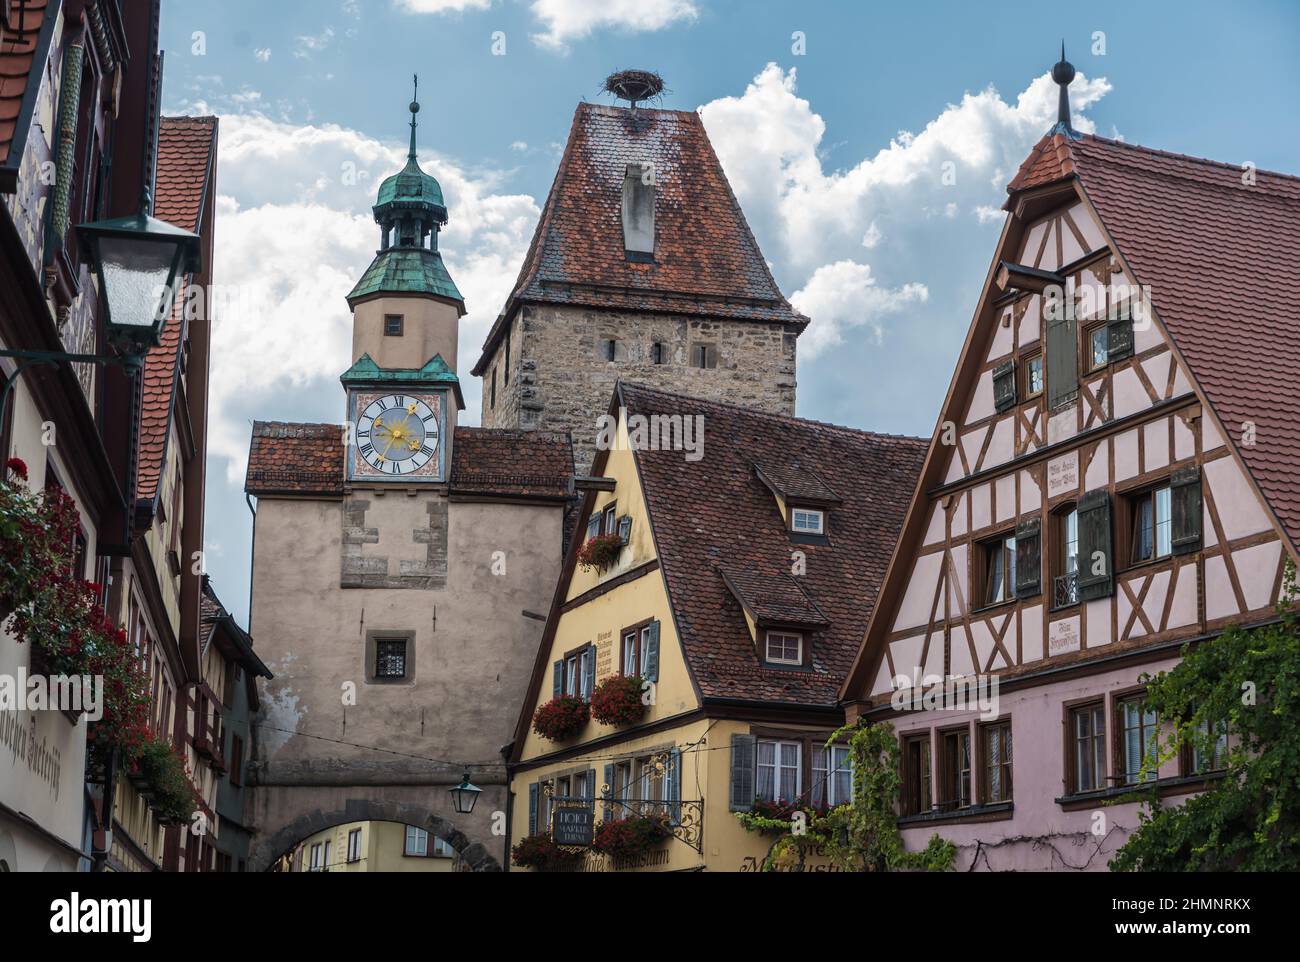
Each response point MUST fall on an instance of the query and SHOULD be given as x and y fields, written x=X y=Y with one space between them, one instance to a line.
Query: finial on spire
x=415 y=110
x=1063 y=74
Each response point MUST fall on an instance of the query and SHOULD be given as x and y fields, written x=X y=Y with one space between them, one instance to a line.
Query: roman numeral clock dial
x=397 y=435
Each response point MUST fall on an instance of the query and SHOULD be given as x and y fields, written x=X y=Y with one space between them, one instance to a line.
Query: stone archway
x=272 y=841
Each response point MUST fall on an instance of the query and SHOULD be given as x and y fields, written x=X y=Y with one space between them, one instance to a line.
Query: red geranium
x=617 y=700
x=541 y=853
x=600 y=552
x=17 y=466
x=625 y=838
x=560 y=718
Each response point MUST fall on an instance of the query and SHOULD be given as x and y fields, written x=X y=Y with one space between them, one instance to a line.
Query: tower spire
x=1063 y=74
x=415 y=110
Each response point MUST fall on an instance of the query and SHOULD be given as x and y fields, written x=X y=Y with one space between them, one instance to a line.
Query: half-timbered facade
x=1107 y=482
x=747 y=552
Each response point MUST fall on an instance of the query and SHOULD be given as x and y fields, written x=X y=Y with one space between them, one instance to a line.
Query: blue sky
x=838 y=154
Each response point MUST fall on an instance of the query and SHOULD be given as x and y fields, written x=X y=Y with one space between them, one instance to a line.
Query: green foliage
x=166 y=773
x=1249 y=820
x=862 y=836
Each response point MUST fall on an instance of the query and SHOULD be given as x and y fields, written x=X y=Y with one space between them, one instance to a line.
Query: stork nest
x=634 y=85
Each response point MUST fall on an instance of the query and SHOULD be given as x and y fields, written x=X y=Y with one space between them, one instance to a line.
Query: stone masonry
x=560 y=380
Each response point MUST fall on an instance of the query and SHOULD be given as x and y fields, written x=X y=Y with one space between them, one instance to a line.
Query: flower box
x=560 y=718
x=632 y=837
x=540 y=852
x=617 y=700
x=600 y=553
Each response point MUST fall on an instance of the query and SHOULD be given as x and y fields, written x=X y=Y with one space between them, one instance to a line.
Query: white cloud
x=815 y=222
x=294 y=233
x=845 y=295
x=567 y=20
x=441 y=6
x=263 y=54
x=313 y=43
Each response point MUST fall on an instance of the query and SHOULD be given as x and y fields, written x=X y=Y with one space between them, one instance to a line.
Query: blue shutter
x=608 y=794
x=651 y=642
x=532 y=809
x=590 y=793
x=744 y=761
x=625 y=528
x=675 y=770
x=557 y=686
x=593 y=526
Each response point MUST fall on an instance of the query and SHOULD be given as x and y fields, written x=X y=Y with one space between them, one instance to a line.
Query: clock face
x=397 y=435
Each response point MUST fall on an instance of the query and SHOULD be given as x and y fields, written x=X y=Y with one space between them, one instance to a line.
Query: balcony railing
x=1065 y=590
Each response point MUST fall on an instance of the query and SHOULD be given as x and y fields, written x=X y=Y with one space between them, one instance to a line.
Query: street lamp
x=464 y=795
x=138 y=260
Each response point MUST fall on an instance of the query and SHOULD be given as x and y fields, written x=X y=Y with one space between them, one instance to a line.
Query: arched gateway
x=399 y=560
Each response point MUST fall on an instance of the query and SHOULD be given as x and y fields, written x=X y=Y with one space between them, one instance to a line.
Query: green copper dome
x=411 y=185
x=406 y=271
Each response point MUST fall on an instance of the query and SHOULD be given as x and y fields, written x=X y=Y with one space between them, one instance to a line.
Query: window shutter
x=652 y=653
x=1096 y=554
x=1062 y=362
x=589 y=669
x=1185 y=509
x=625 y=528
x=590 y=793
x=608 y=794
x=557 y=687
x=532 y=809
x=1004 y=386
x=675 y=767
x=743 y=764
x=1119 y=337
x=1029 y=558
x=593 y=526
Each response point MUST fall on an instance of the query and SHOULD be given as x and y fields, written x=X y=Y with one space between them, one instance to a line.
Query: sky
x=869 y=144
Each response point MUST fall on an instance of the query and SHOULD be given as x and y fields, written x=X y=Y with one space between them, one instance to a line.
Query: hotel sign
x=573 y=825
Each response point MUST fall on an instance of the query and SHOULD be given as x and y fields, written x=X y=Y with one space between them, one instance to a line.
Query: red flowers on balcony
x=560 y=718
x=617 y=700
x=600 y=552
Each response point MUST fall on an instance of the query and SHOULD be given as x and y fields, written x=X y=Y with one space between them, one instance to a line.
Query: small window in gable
x=1033 y=376
x=807 y=521
x=784 y=648
x=639 y=212
x=393 y=324
x=658 y=353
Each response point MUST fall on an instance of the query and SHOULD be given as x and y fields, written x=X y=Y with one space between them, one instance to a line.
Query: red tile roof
x=512 y=463
x=715 y=515
x=295 y=459
x=309 y=459
x=706 y=258
x=186 y=154
x=1221 y=258
x=17 y=52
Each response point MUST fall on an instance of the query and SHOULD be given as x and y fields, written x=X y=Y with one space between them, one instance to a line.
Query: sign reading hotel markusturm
x=573 y=825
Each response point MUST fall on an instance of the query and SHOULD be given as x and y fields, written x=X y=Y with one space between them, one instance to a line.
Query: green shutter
x=1185 y=509
x=532 y=809
x=608 y=794
x=1096 y=553
x=1004 y=386
x=652 y=653
x=557 y=686
x=1029 y=559
x=1062 y=362
x=744 y=761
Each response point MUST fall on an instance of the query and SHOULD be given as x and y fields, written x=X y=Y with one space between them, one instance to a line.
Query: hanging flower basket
x=617 y=700
x=541 y=853
x=562 y=717
x=600 y=553
x=167 y=783
x=632 y=837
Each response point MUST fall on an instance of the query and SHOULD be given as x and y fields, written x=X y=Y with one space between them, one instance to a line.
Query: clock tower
x=403 y=393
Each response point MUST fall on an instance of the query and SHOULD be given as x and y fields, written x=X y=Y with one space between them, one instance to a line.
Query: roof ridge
x=1191 y=158
x=787 y=418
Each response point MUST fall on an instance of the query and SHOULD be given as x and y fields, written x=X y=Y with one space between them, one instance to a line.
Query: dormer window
x=639 y=212
x=807 y=521
x=784 y=648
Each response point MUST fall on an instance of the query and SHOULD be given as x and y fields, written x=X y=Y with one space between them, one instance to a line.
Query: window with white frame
x=314 y=865
x=354 y=845
x=784 y=648
x=417 y=841
x=807 y=521
x=778 y=771
x=832 y=774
